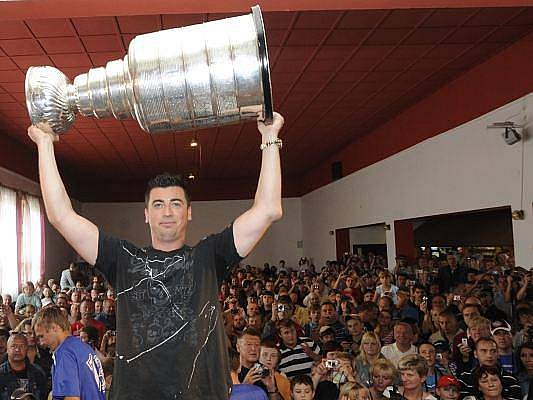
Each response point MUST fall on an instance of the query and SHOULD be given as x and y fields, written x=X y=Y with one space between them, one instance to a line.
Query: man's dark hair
x=447 y=312
x=166 y=180
x=285 y=323
x=302 y=380
x=4 y=333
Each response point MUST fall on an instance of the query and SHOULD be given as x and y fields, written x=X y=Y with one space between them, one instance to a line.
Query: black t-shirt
x=170 y=338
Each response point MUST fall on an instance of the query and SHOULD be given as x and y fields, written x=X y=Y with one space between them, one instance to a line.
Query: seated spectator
x=281 y=309
x=413 y=371
x=297 y=353
x=403 y=344
x=89 y=335
x=444 y=358
x=488 y=385
x=386 y=288
x=385 y=327
x=383 y=374
x=486 y=355
x=269 y=358
x=354 y=330
x=448 y=388
x=17 y=372
x=327 y=335
x=27 y=297
x=448 y=327
x=479 y=328
x=368 y=313
x=67 y=279
x=501 y=333
x=36 y=354
x=249 y=370
x=302 y=388
x=4 y=335
x=354 y=391
x=109 y=344
x=370 y=352
x=404 y=308
x=311 y=329
x=330 y=317
x=255 y=322
x=87 y=319
x=428 y=352
x=525 y=367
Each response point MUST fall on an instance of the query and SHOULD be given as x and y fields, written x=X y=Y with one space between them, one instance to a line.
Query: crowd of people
x=450 y=327
x=445 y=328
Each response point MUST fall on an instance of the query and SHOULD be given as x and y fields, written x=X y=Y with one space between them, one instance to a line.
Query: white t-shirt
x=393 y=354
x=391 y=293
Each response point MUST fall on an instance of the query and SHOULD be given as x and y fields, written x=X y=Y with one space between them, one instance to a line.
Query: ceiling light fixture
x=191 y=176
x=194 y=143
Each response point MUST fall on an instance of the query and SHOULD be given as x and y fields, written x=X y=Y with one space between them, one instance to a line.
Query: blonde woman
x=354 y=391
x=370 y=351
x=384 y=374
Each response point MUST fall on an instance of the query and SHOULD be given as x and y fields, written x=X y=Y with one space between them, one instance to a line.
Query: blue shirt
x=77 y=371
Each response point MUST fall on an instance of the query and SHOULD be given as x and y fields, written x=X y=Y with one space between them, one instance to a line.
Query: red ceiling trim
x=492 y=84
x=38 y=9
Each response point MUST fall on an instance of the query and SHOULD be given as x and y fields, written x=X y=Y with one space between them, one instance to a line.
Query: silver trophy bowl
x=180 y=79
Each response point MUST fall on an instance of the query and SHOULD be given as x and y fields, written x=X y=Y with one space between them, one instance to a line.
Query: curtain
x=8 y=242
x=31 y=234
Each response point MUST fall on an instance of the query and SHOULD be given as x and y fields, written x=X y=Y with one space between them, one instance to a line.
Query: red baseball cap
x=448 y=380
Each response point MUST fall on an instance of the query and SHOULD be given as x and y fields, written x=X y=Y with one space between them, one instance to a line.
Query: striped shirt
x=294 y=361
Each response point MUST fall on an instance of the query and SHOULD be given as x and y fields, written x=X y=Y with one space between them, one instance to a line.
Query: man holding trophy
x=170 y=337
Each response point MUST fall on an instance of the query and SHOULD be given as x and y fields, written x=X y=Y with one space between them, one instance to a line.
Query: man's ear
x=145 y=215
x=189 y=213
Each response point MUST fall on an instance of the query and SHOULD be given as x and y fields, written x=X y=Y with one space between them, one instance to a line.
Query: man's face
x=254 y=322
x=315 y=316
x=248 y=348
x=403 y=335
x=447 y=324
x=269 y=285
x=48 y=338
x=410 y=379
x=428 y=352
x=328 y=313
x=288 y=336
x=267 y=301
x=402 y=280
x=87 y=309
x=167 y=213
x=504 y=340
x=354 y=327
x=17 y=348
x=238 y=322
x=449 y=393
x=269 y=357
x=302 y=391
x=469 y=313
x=368 y=296
x=108 y=307
x=486 y=353
x=252 y=309
x=452 y=262
x=61 y=301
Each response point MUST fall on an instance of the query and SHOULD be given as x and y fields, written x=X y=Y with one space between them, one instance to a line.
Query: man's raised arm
x=79 y=232
x=250 y=227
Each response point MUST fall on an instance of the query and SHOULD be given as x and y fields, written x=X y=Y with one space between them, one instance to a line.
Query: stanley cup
x=193 y=77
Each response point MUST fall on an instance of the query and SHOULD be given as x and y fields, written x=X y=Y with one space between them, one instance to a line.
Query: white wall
x=374 y=234
x=466 y=168
x=126 y=220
